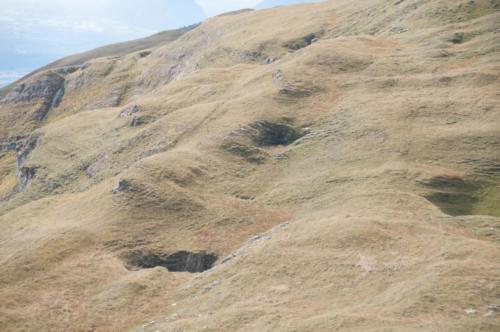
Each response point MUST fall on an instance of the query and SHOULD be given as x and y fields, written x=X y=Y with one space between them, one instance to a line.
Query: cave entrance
x=180 y=261
x=265 y=133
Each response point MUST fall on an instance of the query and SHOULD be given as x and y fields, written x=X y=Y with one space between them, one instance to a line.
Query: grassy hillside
x=114 y=50
x=320 y=167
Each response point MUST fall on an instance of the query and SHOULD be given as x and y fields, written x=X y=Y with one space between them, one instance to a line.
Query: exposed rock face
x=295 y=91
x=25 y=173
x=44 y=87
x=23 y=147
x=45 y=91
x=269 y=60
x=140 y=120
x=67 y=70
x=11 y=144
x=278 y=76
x=41 y=87
x=253 y=56
x=136 y=122
x=89 y=75
x=130 y=111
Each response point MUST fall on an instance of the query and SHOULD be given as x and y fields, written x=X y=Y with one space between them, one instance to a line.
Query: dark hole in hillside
x=269 y=134
x=452 y=203
x=302 y=42
x=454 y=195
x=457 y=38
x=144 y=54
x=180 y=261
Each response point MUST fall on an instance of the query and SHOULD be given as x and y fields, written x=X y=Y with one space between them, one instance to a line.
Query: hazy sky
x=36 y=32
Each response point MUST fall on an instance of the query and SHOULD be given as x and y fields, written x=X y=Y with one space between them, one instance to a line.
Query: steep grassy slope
x=114 y=50
x=341 y=160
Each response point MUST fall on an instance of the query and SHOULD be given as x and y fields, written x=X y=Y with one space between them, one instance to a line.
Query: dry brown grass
x=389 y=116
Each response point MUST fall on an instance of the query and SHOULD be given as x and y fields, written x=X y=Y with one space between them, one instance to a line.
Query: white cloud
x=36 y=32
x=8 y=76
x=215 y=7
x=95 y=25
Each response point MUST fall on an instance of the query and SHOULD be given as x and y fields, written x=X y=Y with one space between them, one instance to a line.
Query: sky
x=34 y=33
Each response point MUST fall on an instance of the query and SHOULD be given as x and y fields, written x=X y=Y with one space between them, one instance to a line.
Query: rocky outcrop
x=128 y=111
x=140 y=120
x=66 y=70
x=25 y=174
x=295 y=91
x=45 y=91
x=89 y=74
x=251 y=56
x=40 y=87
x=11 y=144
